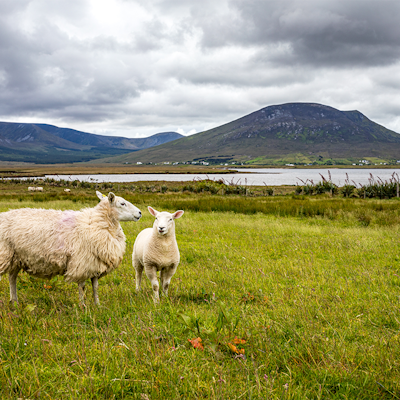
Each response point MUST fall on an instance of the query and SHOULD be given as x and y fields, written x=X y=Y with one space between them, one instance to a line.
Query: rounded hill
x=293 y=132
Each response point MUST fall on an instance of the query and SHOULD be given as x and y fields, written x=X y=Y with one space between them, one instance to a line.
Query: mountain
x=294 y=132
x=41 y=143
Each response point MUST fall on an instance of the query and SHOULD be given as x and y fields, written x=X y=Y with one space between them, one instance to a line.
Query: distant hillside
x=293 y=132
x=40 y=143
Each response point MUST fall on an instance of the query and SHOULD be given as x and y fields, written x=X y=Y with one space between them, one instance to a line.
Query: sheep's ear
x=99 y=195
x=177 y=214
x=111 y=197
x=152 y=211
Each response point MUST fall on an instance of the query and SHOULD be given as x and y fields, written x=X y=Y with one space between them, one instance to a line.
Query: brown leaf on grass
x=238 y=341
x=196 y=343
x=234 y=349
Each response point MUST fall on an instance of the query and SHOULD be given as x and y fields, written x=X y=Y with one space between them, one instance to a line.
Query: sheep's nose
x=140 y=213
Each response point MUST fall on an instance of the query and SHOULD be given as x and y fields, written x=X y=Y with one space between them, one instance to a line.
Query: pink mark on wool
x=65 y=224
x=68 y=219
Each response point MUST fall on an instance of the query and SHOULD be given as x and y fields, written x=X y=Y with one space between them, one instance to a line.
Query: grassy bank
x=293 y=298
x=24 y=169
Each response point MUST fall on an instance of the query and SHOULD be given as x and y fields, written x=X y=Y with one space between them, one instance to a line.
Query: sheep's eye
x=123 y=204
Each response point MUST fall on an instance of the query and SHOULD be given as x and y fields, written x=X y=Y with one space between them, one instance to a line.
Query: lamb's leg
x=81 y=287
x=166 y=276
x=95 y=285
x=12 y=277
x=152 y=275
x=139 y=270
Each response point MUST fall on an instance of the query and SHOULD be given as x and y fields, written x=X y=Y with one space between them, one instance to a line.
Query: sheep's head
x=164 y=221
x=126 y=211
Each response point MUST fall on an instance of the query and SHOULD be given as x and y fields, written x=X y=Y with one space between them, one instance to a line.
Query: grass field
x=292 y=298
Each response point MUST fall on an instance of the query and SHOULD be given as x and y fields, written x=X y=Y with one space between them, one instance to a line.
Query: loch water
x=254 y=177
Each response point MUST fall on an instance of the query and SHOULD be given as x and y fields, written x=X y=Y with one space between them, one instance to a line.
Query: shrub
x=347 y=190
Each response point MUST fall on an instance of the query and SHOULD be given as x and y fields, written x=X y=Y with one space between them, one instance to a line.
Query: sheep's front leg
x=12 y=277
x=95 y=285
x=139 y=270
x=81 y=287
x=165 y=277
x=151 y=273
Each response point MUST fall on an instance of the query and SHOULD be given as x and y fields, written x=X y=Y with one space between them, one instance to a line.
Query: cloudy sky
x=138 y=67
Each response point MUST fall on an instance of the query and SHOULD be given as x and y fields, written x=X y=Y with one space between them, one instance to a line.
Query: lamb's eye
x=123 y=204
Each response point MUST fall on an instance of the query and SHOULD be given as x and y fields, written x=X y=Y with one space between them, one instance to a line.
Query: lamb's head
x=126 y=211
x=164 y=221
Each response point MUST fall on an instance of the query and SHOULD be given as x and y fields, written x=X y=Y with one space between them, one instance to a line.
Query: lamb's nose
x=140 y=213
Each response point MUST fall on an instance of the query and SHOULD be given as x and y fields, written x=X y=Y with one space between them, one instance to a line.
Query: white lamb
x=156 y=249
x=79 y=245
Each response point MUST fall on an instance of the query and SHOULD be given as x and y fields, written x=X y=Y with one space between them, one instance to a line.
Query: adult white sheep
x=156 y=249
x=79 y=245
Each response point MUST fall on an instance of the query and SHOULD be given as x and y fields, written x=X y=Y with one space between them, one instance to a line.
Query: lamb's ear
x=99 y=195
x=177 y=214
x=111 y=197
x=152 y=211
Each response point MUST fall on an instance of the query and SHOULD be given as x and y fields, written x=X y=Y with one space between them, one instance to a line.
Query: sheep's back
x=32 y=229
x=33 y=237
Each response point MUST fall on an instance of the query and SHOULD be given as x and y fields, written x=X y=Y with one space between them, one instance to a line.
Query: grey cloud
x=8 y=7
x=47 y=70
x=191 y=64
x=329 y=33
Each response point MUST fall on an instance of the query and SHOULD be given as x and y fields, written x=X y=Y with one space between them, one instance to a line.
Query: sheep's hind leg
x=152 y=275
x=12 y=277
x=81 y=287
x=95 y=285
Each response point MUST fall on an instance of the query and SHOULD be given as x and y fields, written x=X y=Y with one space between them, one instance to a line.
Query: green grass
x=315 y=296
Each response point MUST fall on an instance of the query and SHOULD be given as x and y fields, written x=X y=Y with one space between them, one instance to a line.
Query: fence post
x=397 y=189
